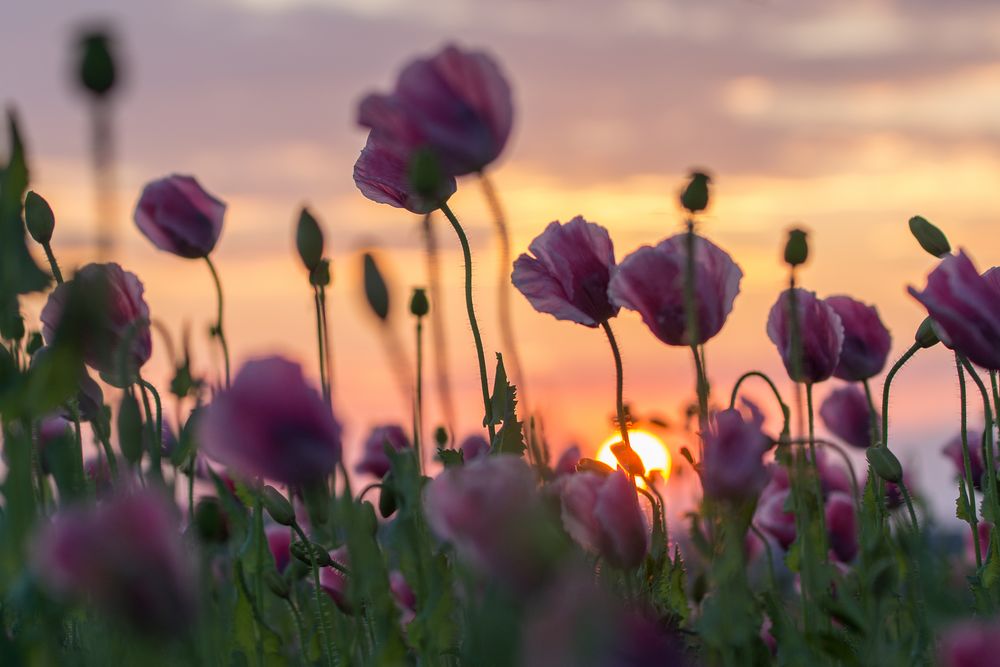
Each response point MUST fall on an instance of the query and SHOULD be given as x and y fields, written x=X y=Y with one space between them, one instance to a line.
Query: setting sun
x=650 y=449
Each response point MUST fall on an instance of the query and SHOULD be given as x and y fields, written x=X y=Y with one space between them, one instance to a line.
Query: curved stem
x=470 y=307
x=970 y=482
x=991 y=477
x=786 y=413
x=156 y=444
x=218 y=330
x=619 y=383
x=768 y=551
x=299 y=628
x=885 y=390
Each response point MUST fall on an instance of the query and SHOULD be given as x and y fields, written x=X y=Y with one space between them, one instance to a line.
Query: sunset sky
x=844 y=118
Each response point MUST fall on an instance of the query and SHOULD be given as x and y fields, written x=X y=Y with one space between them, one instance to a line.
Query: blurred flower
x=965 y=308
x=569 y=273
x=490 y=510
x=841 y=526
x=126 y=556
x=456 y=103
x=846 y=414
x=383 y=174
x=98 y=472
x=566 y=465
x=179 y=216
x=123 y=317
x=473 y=447
x=271 y=424
x=403 y=596
x=821 y=335
x=375 y=461
x=651 y=281
x=866 y=340
x=89 y=397
x=772 y=517
x=603 y=515
x=279 y=539
x=973 y=643
x=334 y=582
x=953 y=451
x=50 y=430
x=732 y=468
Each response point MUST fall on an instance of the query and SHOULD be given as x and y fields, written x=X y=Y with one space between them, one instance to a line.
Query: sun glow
x=651 y=450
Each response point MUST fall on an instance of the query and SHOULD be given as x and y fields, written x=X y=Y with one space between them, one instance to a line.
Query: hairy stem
x=218 y=330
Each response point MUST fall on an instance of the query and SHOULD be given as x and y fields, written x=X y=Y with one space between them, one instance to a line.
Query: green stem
x=470 y=307
x=873 y=429
x=106 y=446
x=815 y=461
x=219 y=331
x=438 y=332
x=324 y=630
x=258 y=510
x=300 y=629
x=972 y=519
x=619 y=383
x=785 y=411
x=328 y=350
x=991 y=476
x=49 y=255
x=156 y=446
x=320 y=346
x=418 y=415
x=701 y=386
x=885 y=390
x=909 y=506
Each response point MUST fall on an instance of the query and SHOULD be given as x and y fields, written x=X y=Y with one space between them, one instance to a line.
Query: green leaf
x=503 y=408
x=671 y=590
x=451 y=457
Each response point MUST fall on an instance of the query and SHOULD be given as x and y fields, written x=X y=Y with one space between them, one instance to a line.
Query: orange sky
x=845 y=121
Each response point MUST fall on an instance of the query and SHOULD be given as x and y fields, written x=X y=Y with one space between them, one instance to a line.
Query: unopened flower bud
x=97 y=69
x=419 y=305
x=276 y=583
x=309 y=240
x=387 y=498
x=592 y=465
x=320 y=276
x=926 y=336
x=307 y=552
x=277 y=506
x=376 y=290
x=210 y=520
x=628 y=459
x=39 y=218
x=929 y=236
x=797 y=248
x=885 y=464
x=694 y=198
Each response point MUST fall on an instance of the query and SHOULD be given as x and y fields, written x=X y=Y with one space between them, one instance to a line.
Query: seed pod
x=929 y=236
x=419 y=305
x=926 y=336
x=309 y=240
x=309 y=551
x=38 y=217
x=376 y=290
x=885 y=464
x=277 y=506
x=694 y=198
x=797 y=248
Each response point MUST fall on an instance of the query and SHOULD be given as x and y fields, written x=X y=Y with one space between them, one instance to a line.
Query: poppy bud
x=594 y=466
x=309 y=240
x=885 y=464
x=441 y=436
x=210 y=520
x=694 y=198
x=38 y=217
x=929 y=236
x=97 y=68
x=376 y=290
x=307 y=552
x=419 y=305
x=277 y=506
x=628 y=459
x=320 y=276
x=797 y=248
x=387 y=498
x=276 y=583
x=926 y=336
x=130 y=429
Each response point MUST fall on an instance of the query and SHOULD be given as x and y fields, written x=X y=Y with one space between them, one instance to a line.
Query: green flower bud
x=885 y=464
x=277 y=506
x=926 y=336
x=320 y=276
x=419 y=305
x=387 y=502
x=39 y=218
x=309 y=240
x=97 y=68
x=929 y=237
x=276 y=583
x=309 y=551
x=441 y=436
x=210 y=521
x=797 y=248
x=376 y=290
x=694 y=198
x=130 y=429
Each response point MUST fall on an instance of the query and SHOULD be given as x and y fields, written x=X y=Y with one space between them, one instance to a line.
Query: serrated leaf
x=510 y=438
x=451 y=457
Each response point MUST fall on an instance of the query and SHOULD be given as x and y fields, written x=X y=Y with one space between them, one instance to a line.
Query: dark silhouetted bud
x=320 y=276
x=376 y=290
x=97 y=70
x=929 y=237
x=210 y=520
x=39 y=218
x=130 y=429
x=797 y=248
x=309 y=240
x=885 y=464
x=277 y=506
x=387 y=498
x=695 y=195
x=926 y=336
x=419 y=305
x=628 y=459
x=276 y=583
x=441 y=436
x=309 y=551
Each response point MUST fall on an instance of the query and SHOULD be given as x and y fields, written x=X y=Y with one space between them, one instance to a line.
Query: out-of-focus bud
x=628 y=459
x=309 y=240
x=277 y=506
x=885 y=464
x=376 y=290
x=276 y=583
x=387 y=497
x=130 y=429
x=926 y=336
x=797 y=248
x=441 y=436
x=96 y=67
x=929 y=236
x=309 y=551
x=694 y=198
x=210 y=520
x=39 y=218
x=320 y=276
x=594 y=466
x=419 y=305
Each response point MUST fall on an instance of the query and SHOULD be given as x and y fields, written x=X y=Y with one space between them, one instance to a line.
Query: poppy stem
x=327 y=348
x=418 y=412
x=156 y=443
x=321 y=347
x=619 y=383
x=785 y=411
x=438 y=331
x=470 y=307
x=218 y=330
x=970 y=482
x=53 y=264
x=321 y=618
x=991 y=488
